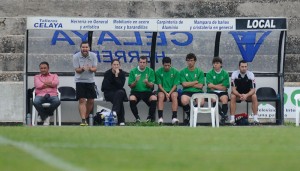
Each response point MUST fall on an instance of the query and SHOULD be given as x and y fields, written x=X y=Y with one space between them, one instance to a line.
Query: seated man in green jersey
x=167 y=79
x=141 y=81
x=192 y=81
x=217 y=80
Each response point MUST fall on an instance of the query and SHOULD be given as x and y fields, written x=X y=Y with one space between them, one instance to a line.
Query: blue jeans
x=45 y=112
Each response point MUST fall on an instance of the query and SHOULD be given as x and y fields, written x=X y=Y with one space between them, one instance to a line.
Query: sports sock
x=152 y=109
x=214 y=104
x=255 y=117
x=186 y=109
x=174 y=115
x=224 y=109
x=134 y=109
x=160 y=113
x=232 y=117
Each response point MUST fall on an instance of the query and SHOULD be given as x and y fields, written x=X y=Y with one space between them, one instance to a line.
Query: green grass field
x=149 y=148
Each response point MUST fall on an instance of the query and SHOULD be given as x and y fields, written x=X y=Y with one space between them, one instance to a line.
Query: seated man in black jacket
x=112 y=86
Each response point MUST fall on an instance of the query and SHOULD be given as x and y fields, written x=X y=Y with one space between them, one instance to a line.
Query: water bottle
x=91 y=119
x=106 y=120
x=112 y=121
x=28 y=119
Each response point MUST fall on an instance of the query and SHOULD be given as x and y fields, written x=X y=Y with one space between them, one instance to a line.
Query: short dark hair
x=217 y=59
x=84 y=42
x=114 y=61
x=44 y=63
x=190 y=56
x=143 y=57
x=166 y=60
x=242 y=61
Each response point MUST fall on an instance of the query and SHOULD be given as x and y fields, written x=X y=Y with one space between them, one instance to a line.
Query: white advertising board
x=155 y=24
x=289 y=101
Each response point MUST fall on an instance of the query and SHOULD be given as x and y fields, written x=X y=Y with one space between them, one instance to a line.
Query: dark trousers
x=117 y=98
x=45 y=112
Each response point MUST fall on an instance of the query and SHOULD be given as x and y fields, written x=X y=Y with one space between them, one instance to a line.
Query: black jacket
x=112 y=83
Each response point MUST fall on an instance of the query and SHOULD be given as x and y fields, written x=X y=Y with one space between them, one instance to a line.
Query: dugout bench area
x=260 y=41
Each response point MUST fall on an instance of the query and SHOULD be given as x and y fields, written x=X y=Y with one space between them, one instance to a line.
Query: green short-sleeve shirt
x=188 y=76
x=167 y=79
x=217 y=78
x=140 y=85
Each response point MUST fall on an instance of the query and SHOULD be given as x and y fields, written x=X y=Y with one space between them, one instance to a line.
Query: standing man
x=217 y=80
x=112 y=86
x=167 y=79
x=45 y=85
x=192 y=80
x=243 y=88
x=85 y=65
x=141 y=81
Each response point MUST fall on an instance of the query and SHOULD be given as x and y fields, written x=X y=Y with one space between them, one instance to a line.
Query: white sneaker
x=175 y=121
x=122 y=124
x=39 y=119
x=47 y=121
x=232 y=121
x=256 y=122
x=160 y=121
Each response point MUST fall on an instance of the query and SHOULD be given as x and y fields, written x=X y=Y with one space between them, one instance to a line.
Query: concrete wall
x=13 y=15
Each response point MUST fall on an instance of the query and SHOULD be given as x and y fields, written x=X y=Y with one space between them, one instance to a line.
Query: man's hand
x=87 y=68
x=167 y=96
x=146 y=79
x=117 y=71
x=47 y=84
x=137 y=78
x=243 y=97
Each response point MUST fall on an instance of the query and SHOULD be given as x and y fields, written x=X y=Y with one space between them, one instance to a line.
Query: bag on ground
x=241 y=119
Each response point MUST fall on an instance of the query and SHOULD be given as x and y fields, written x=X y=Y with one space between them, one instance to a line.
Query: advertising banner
x=289 y=101
x=153 y=24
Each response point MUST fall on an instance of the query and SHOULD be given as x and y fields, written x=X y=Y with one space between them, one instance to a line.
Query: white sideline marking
x=41 y=155
x=100 y=145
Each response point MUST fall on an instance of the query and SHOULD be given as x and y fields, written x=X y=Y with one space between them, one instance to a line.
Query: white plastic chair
x=46 y=105
x=297 y=98
x=214 y=111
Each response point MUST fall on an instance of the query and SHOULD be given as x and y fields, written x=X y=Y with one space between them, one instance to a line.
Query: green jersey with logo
x=140 y=85
x=189 y=76
x=167 y=79
x=215 y=78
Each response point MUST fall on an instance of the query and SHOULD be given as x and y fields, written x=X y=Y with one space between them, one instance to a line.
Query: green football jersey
x=188 y=76
x=217 y=78
x=140 y=85
x=167 y=79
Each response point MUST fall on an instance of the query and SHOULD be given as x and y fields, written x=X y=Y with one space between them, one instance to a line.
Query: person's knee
x=132 y=98
x=82 y=101
x=120 y=93
x=233 y=97
x=153 y=98
x=161 y=96
x=254 y=98
x=57 y=103
x=224 y=99
x=185 y=100
x=174 y=95
x=35 y=102
x=90 y=101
